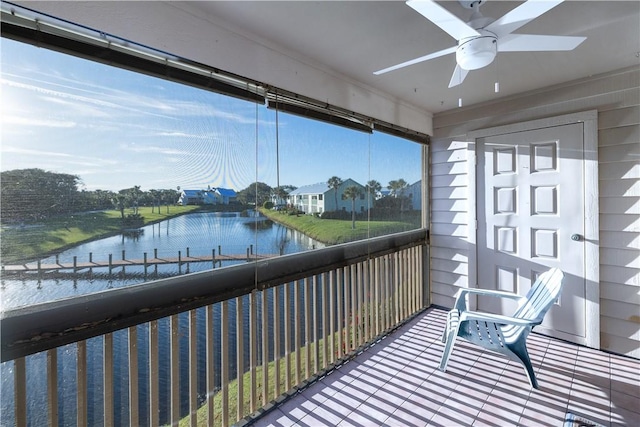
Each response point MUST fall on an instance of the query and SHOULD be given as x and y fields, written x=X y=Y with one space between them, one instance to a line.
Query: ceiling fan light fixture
x=477 y=52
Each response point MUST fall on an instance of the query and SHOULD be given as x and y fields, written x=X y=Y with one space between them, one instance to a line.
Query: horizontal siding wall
x=449 y=219
x=616 y=96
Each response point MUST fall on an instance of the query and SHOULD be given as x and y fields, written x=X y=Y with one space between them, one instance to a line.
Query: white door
x=531 y=217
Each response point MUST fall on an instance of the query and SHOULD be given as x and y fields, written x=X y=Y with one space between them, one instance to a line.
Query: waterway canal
x=231 y=233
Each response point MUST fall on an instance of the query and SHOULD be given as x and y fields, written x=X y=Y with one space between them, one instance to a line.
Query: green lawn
x=33 y=241
x=335 y=231
x=202 y=412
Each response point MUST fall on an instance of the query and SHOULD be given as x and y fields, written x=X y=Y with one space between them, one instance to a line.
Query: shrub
x=268 y=204
x=133 y=220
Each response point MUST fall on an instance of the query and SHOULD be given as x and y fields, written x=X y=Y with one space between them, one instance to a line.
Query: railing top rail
x=41 y=327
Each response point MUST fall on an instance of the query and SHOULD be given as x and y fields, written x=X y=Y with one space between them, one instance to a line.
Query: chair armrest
x=489 y=292
x=461 y=303
x=496 y=318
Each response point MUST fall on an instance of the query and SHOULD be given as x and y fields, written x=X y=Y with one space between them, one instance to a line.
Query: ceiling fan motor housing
x=471 y=4
x=478 y=51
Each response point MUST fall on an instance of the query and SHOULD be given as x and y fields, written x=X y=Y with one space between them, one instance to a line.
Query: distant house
x=318 y=198
x=384 y=192
x=191 y=197
x=225 y=196
x=309 y=198
x=210 y=196
x=414 y=193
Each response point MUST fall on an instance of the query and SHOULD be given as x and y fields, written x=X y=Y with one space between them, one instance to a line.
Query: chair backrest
x=541 y=296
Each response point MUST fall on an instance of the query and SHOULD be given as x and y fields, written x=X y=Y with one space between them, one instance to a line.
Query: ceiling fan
x=480 y=39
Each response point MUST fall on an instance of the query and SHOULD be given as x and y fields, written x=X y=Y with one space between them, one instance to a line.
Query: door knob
x=576 y=237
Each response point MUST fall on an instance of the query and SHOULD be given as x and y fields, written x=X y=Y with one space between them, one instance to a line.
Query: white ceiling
x=356 y=38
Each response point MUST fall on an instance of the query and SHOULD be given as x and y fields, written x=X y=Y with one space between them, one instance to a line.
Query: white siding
x=449 y=219
x=616 y=96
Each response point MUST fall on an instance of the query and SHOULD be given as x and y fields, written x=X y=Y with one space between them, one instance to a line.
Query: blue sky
x=116 y=129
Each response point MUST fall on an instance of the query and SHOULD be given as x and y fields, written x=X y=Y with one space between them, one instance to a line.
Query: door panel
x=530 y=204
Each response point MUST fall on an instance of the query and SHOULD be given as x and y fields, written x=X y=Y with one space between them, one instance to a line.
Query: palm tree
x=280 y=193
x=118 y=202
x=335 y=183
x=373 y=187
x=352 y=192
x=155 y=195
x=397 y=188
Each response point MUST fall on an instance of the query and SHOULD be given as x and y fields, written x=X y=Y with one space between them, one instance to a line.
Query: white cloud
x=153 y=149
x=181 y=135
x=29 y=121
x=56 y=156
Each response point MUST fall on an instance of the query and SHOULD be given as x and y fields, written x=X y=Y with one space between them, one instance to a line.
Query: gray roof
x=319 y=188
x=226 y=192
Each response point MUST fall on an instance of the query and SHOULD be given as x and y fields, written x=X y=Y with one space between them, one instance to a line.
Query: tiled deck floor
x=397 y=383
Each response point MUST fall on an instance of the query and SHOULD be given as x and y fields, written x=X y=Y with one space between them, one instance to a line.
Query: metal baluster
x=210 y=364
x=20 y=391
x=133 y=375
x=265 y=348
x=174 y=360
x=81 y=373
x=347 y=309
x=276 y=341
x=376 y=296
x=224 y=361
x=325 y=321
x=297 y=332
x=316 y=338
x=332 y=320
x=239 y=358
x=154 y=382
x=287 y=337
x=360 y=292
x=52 y=386
x=339 y=304
x=108 y=380
x=366 y=295
x=354 y=308
x=253 y=349
x=307 y=327
x=193 y=369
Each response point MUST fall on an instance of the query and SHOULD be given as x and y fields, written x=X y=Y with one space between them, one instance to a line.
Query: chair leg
x=445 y=333
x=449 y=337
x=448 y=349
x=520 y=350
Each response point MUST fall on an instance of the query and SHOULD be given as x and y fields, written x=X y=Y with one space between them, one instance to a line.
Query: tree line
x=258 y=193
x=35 y=194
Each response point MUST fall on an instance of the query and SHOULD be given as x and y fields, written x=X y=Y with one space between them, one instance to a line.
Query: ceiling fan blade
x=537 y=43
x=520 y=16
x=458 y=76
x=454 y=26
x=417 y=60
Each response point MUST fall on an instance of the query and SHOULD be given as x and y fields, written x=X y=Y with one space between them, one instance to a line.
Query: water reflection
x=206 y=235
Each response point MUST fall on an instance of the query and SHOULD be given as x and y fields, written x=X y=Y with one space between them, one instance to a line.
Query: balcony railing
x=214 y=346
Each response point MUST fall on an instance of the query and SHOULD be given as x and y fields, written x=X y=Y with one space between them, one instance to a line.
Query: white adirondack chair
x=504 y=334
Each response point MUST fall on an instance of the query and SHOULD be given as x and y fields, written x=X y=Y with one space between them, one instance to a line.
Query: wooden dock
x=111 y=263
